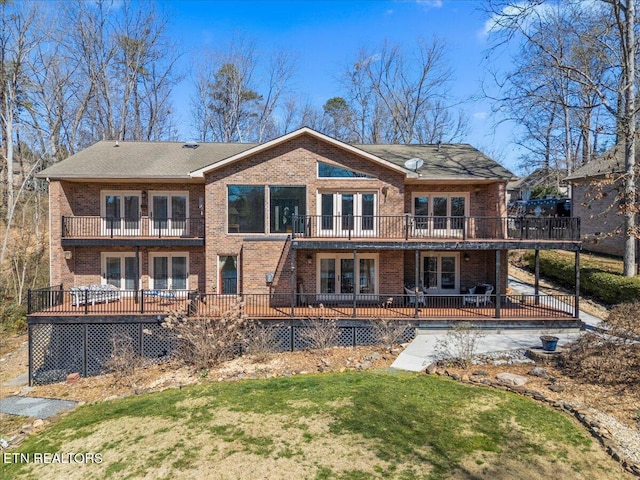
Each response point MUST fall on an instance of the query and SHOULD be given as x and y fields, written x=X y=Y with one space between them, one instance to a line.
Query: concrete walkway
x=34 y=406
x=421 y=351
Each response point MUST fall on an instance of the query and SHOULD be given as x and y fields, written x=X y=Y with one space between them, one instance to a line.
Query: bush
x=261 y=340
x=320 y=333
x=13 y=318
x=459 y=345
x=389 y=332
x=124 y=359
x=606 y=287
x=612 y=358
x=204 y=342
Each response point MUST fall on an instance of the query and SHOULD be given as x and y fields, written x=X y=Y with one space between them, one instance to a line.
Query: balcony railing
x=407 y=227
x=56 y=301
x=108 y=227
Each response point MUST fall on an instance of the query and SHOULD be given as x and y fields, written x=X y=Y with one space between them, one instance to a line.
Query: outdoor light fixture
x=309 y=259
x=466 y=257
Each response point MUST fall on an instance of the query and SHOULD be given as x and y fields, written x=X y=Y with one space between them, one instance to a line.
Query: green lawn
x=347 y=426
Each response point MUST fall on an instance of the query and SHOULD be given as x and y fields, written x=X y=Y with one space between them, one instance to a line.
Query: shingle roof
x=610 y=162
x=459 y=161
x=173 y=160
x=141 y=160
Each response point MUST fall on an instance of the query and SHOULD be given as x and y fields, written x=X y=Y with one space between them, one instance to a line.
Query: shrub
x=611 y=358
x=606 y=287
x=13 y=318
x=204 y=342
x=459 y=345
x=261 y=340
x=320 y=333
x=388 y=332
x=124 y=359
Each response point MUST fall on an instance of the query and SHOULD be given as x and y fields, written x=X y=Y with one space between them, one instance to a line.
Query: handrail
x=110 y=227
x=408 y=226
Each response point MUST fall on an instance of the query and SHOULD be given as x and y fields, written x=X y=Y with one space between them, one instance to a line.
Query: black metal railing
x=405 y=227
x=110 y=227
x=77 y=301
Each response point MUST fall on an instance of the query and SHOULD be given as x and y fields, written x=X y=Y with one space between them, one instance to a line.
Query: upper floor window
x=284 y=203
x=326 y=170
x=245 y=209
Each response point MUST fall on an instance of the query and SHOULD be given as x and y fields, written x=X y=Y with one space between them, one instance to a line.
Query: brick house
x=302 y=221
x=595 y=191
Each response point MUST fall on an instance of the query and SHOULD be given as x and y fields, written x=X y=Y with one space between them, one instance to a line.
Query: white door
x=344 y=214
x=169 y=213
x=119 y=270
x=439 y=215
x=169 y=272
x=120 y=214
x=339 y=277
x=441 y=273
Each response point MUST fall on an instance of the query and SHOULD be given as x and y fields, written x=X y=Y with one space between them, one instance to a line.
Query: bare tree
x=604 y=32
x=228 y=105
x=402 y=98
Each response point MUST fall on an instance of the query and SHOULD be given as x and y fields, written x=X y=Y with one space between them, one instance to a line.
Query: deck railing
x=406 y=227
x=55 y=301
x=109 y=227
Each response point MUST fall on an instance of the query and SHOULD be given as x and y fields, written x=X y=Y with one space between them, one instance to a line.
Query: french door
x=119 y=270
x=120 y=213
x=169 y=272
x=347 y=213
x=440 y=215
x=169 y=212
x=440 y=272
x=339 y=276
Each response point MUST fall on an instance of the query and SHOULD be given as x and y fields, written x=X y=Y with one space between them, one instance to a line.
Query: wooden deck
x=264 y=307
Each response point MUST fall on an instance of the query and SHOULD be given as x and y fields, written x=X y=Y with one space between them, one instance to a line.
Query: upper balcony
x=140 y=231
x=447 y=232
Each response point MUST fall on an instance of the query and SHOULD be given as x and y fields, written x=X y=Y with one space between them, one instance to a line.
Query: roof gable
x=288 y=137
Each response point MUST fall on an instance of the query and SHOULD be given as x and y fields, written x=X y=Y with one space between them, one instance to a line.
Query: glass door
x=119 y=270
x=121 y=214
x=169 y=272
x=228 y=268
x=440 y=273
x=339 y=277
x=169 y=212
x=344 y=214
x=439 y=215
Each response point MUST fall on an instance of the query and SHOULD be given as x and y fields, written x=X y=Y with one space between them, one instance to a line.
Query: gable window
x=326 y=170
x=245 y=209
x=284 y=203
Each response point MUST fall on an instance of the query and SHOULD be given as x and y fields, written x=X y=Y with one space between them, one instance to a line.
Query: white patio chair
x=414 y=296
x=478 y=297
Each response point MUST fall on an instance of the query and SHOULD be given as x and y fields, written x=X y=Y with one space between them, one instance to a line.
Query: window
x=339 y=275
x=284 y=203
x=326 y=170
x=245 y=209
x=440 y=213
x=344 y=212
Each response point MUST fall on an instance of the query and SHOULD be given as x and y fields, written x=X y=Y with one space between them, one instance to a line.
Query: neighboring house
x=303 y=214
x=522 y=188
x=595 y=188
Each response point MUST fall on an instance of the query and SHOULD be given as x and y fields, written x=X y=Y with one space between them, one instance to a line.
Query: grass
x=349 y=426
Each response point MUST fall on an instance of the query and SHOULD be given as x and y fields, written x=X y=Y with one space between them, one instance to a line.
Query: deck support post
x=576 y=312
x=356 y=282
x=136 y=281
x=293 y=281
x=417 y=281
x=498 y=280
x=536 y=284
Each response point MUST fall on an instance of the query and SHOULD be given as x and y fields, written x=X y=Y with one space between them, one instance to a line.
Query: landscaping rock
x=73 y=377
x=431 y=368
x=539 y=372
x=511 y=379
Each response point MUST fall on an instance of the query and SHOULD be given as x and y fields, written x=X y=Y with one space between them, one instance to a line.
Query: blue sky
x=326 y=35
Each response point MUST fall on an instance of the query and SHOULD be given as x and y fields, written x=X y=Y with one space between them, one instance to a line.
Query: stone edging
x=584 y=417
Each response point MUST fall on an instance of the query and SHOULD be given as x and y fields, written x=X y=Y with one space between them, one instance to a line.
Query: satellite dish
x=414 y=164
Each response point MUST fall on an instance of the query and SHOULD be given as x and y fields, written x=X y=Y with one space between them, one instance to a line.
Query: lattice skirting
x=58 y=349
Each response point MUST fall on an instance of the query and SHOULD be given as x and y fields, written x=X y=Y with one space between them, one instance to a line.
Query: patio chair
x=414 y=296
x=478 y=295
